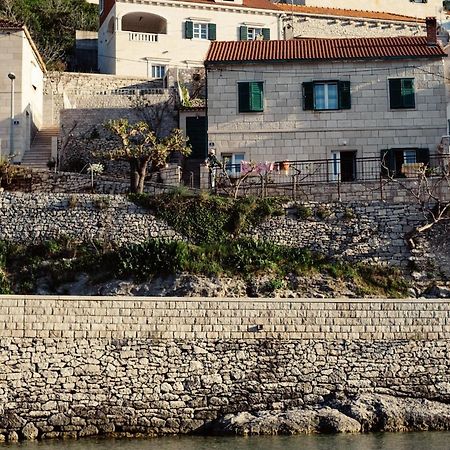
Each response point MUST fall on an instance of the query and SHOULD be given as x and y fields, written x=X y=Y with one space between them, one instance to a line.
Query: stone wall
x=369 y=232
x=284 y=131
x=33 y=217
x=76 y=367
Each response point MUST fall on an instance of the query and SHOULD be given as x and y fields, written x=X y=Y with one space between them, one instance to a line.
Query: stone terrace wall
x=30 y=218
x=369 y=232
x=74 y=367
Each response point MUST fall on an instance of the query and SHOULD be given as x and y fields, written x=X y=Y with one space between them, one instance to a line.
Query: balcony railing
x=142 y=37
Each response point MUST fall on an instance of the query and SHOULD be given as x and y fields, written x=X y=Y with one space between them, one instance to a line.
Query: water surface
x=383 y=441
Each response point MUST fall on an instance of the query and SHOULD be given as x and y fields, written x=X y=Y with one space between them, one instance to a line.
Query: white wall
x=285 y=131
x=17 y=56
x=172 y=48
x=404 y=7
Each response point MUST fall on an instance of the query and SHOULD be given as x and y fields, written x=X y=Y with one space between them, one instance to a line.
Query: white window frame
x=409 y=156
x=326 y=85
x=158 y=68
x=236 y=158
x=197 y=31
x=253 y=33
x=101 y=6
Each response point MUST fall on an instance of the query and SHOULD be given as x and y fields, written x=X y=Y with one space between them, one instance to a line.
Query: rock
x=333 y=421
x=59 y=420
x=377 y=412
x=30 y=432
x=13 y=436
x=89 y=430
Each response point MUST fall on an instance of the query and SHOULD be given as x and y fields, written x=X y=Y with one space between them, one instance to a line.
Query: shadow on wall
x=82 y=133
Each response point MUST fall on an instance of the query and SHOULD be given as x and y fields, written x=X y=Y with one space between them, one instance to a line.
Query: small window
x=253 y=33
x=199 y=30
x=158 y=71
x=326 y=95
x=251 y=96
x=232 y=162
x=396 y=162
x=402 y=93
x=101 y=6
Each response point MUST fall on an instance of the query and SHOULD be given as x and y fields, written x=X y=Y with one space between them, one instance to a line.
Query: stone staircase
x=41 y=148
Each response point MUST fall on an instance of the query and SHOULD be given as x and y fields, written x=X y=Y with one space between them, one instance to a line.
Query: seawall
x=73 y=367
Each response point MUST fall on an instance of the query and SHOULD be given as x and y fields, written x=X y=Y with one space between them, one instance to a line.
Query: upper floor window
x=326 y=95
x=200 y=30
x=253 y=33
x=401 y=93
x=251 y=96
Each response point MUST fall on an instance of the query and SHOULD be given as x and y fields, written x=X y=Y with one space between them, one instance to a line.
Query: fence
x=333 y=178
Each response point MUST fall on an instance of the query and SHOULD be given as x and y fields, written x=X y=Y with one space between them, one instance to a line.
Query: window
x=199 y=30
x=343 y=166
x=401 y=93
x=418 y=1
x=158 y=71
x=326 y=95
x=232 y=162
x=253 y=33
x=251 y=96
x=394 y=161
x=101 y=6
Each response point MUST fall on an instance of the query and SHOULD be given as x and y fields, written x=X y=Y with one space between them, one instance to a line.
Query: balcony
x=134 y=36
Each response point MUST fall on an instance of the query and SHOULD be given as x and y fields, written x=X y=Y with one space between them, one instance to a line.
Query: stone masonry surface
x=368 y=232
x=73 y=367
x=29 y=218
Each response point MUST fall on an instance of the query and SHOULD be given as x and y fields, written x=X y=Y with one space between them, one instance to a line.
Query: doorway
x=343 y=166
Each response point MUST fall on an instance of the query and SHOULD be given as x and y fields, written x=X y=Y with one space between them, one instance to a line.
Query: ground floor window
x=399 y=162
x=158 y=71
x=232 y=162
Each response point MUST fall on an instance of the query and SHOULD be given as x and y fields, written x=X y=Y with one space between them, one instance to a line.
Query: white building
x=20 y=57
x=146 y=38
x=341 y=100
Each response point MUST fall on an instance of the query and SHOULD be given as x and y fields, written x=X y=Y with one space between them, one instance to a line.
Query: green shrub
x=303 y=212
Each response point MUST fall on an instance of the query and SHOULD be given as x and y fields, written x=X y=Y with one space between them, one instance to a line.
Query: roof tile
x=323 y=49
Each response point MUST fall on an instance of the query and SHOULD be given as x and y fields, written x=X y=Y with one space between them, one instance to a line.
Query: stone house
x=331 y=99
x=148 y=37
x=20 y=60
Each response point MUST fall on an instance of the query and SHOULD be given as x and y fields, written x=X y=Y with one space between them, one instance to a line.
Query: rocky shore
x=364 y=413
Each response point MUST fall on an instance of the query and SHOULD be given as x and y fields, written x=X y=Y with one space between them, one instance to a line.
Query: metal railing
x=287 y=177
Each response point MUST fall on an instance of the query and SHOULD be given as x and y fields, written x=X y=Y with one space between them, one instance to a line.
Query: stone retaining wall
x=30 y=218
x=162 y=366
x=367 y=232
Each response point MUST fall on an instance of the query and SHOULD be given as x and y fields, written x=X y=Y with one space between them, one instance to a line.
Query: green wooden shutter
x=244 y=97
x=257 y=96
x=395 y=93
x=188 y=29
x=266 y=34
x=243 y=33
x=387 y=162
x=407 y=89
x=423 y=155
x=308 y=96
x=345 y=101
x=212 y=31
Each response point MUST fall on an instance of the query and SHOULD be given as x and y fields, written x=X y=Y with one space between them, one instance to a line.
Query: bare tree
x=143 y=149
x=428 y=186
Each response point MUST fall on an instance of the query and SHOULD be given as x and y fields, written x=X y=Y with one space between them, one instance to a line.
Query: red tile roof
x=313 y=10
x=316 y=10
x=322 y=49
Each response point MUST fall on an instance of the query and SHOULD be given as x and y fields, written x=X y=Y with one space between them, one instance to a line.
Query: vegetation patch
x=54 y=263
x=205 y=219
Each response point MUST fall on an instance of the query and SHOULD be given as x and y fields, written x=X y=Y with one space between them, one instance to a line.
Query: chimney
x=431 y=31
